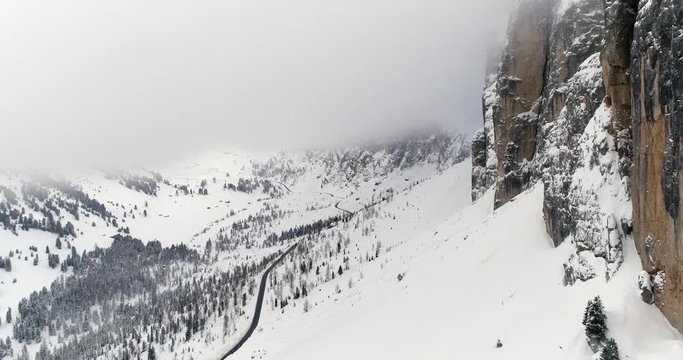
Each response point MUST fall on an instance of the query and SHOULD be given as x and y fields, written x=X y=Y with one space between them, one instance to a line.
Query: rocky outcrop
x=520 y=83
x=656 y=72
x=589 y=99
x=599 y=203
x=573 y=92
x=583 y=95
x=484 y=161
x=620 y=16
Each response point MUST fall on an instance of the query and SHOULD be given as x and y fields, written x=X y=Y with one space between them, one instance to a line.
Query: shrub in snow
x=610 y=351
x=595 y=322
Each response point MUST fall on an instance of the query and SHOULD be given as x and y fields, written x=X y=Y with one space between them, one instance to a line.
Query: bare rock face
x=484 y=162
x=656 y=74
x=620 y=17
x=599 y=199
x=573 y=92
x=520 y=83
x=588 y=98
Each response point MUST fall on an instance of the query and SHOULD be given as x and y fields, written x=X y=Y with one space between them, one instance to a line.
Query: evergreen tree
x=610 y=351
x=24 y=354
x=151 y=354
x=8 y=316
x=595 y=322
x=43 y=353
x=188 y=333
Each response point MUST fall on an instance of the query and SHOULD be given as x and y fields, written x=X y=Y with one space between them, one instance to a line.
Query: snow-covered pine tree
x=24 y=354
x=610 y=351
x=151 y=354
x=595 y=322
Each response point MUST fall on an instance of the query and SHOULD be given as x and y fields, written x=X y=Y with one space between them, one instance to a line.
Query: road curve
x=281 y=183
x=336 y=205
x=259 y=304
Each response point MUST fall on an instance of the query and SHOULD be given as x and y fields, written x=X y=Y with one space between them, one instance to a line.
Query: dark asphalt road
x=259 y=304
x=281 y=183
x=262 y=289
x=341 y=209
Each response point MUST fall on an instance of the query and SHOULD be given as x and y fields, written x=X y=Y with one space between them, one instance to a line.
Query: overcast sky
x=146 y=80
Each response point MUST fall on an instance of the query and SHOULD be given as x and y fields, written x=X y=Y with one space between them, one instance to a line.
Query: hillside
x=471 y=276
x=169 y=258
x=554 y=233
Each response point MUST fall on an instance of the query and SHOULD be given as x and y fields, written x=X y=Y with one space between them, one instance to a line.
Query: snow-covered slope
x=416 y=271
x=471 y=277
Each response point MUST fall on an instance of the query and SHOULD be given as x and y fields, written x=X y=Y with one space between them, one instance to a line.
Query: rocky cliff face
x=573 y=92
x=484 y=160
x=548 y=89
x=588 y=100
x=519 y=87
x=656 y=68
x=620 y=16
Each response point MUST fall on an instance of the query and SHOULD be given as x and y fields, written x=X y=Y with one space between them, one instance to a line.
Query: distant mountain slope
x=362 y=163
x=184 y=244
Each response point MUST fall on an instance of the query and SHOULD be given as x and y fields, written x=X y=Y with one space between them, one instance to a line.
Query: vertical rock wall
x=656 y=72
x=484 y=161
x=571 y=97
x=520 y=83
x=588 y=97
x=620 y=17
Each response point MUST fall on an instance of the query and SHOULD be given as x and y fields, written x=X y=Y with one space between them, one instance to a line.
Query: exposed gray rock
x=645 y=288
x=484 y=161
x=584 y=94
x=550 y=122
x=520 y=83
x=657 y=112
x=620 y=16
x=546 y=136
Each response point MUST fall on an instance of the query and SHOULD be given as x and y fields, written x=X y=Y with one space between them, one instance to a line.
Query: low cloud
x=127 y=82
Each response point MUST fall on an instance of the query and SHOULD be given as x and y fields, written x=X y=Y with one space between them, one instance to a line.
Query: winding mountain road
x=264 y=282
x=336 y=205
x=259 y=304
x=281 y=183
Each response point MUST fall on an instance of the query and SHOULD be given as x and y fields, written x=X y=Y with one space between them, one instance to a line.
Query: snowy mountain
x=102 y=264
x=584 y=103
x=553 y=234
